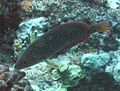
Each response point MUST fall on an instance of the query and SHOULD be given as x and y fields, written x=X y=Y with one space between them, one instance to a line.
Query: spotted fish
x=57 y=39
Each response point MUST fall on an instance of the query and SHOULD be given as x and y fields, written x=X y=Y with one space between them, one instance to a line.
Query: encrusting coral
x=68 y=75
x=95 y=61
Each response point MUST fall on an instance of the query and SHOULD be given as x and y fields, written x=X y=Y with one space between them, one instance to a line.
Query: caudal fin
x=103 y=27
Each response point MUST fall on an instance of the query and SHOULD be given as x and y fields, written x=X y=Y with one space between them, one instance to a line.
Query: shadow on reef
x=110 y=43
x=99 y=3
x=99 y=82
x=10 y=17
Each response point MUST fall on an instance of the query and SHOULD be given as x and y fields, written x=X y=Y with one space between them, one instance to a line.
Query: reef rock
x=113 y=3
x=32 y=24
x=116 y=73
x=28 y=32
x=95 y=61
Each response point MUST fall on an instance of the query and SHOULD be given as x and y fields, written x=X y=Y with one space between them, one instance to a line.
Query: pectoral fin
x=51 y=64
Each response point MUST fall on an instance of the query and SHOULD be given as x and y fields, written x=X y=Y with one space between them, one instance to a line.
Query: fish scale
x=58 y=41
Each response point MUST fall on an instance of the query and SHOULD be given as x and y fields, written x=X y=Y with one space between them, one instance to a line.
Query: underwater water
x=60 y=45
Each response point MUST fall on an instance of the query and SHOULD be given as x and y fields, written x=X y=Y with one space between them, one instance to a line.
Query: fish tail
x=104 y=27
x=101 y=27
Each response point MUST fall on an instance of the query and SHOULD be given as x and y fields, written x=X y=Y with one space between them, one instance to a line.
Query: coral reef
x=97 y=59
x=13 y=81
x=99 y=82
x=113 y=67
x=116 y=73
x=10 y=17
x=61 y=88
x=69 y=75
x=29 y=31
x=113 y=4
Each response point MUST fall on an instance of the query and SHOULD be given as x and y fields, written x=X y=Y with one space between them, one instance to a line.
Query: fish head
x=21 y=63
x=26 y=59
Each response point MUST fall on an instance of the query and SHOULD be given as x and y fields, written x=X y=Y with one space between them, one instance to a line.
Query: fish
x=58 y=38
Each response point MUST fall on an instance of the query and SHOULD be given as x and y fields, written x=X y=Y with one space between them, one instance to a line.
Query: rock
x=61 y=88
x=10 y=80
x=27 y=27
x=17 y=88
x=59 y=12
x=94 y=61
x=91 y=61
x=39 y=6
x=113 y=68
x=115 y=55
x=116 y=73
x=113 y=3
x=109 y=69
x=28 y=32
x=105 y=57
x=35 y=88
